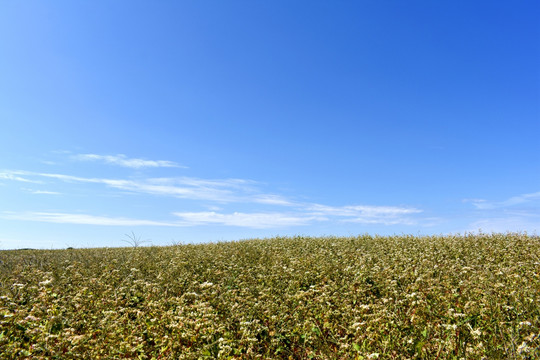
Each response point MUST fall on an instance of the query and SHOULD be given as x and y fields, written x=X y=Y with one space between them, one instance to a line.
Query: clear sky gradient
x=196 y=121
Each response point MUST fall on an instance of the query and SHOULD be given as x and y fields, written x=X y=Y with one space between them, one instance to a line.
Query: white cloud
x=475 y=202
x=251 y=220
x=512 y=223
x=517 y=213
x=14 y=176
x=387 y=215
x=515 y=200
x=271 y=199
x=218 y=192
x=305 y=214
x=124 y=161
x=83 y=219
x=197 y=182
x=365 y=210
x=521 y=199
x=195 y=193
x=42 y=192
x=308 y=214
x=226 y=190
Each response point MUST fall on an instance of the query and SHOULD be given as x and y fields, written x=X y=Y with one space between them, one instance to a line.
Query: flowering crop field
x=366 y=297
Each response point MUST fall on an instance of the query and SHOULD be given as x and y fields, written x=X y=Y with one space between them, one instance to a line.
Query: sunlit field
x=402 y=297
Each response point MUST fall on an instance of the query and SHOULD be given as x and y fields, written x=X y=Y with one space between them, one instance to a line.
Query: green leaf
x=419 y=346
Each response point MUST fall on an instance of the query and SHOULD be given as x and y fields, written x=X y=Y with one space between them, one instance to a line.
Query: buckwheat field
x=367 y=297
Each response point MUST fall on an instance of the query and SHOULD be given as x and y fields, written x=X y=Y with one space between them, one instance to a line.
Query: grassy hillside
x=364 y=297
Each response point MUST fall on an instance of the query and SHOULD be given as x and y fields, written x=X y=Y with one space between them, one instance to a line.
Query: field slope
x=366 y=297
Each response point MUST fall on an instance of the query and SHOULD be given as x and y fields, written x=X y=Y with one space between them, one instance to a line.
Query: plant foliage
x=366 y=297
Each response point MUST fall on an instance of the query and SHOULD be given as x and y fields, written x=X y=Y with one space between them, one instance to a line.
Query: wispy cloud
x=267 y=210
x=509 y=222
x=224 y=190
x=304 y=215
x=271 y=199
x=522 y=199
x=388 y=215
x=124 y=161
x=83 y=219
x=238 y=190
x=15 y=176
x=517 y=213
x=197 y=182
x=250 y=220
x=42 y=192
x=515 y=200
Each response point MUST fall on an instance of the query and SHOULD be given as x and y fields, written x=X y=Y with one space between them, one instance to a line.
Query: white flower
x=475 y=333
x=523 y=348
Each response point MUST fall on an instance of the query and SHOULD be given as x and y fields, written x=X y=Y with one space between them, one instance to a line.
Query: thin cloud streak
x=272 y=200
x=197 y=182
x=256 y=220
x=515 y=200
x=503 y=224
x=251 y=220
x=517 y=213
x=521 y=199
x=219 y=191
x=308 y=214
x=364 y=210
x=223 y=191
x=13 y=176
x=364 y=214
x=124 y=161
x=83 y=219
x=42 y=192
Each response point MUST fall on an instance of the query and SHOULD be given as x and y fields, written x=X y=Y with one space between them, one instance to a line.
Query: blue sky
x=195 y=121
